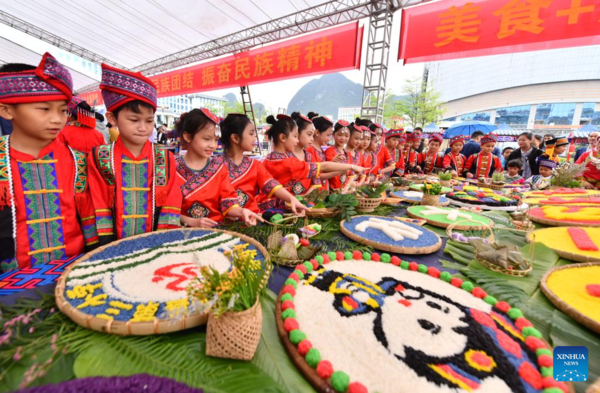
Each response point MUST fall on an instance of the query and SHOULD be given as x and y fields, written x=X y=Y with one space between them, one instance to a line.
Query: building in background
x=549 y=91
x=349 y=113
x=170 y=108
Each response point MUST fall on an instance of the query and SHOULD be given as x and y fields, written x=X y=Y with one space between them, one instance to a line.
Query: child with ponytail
x=248 y=176
x=208 y=195
x=285 y=167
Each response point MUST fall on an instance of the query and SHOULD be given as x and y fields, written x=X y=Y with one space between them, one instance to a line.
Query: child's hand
x=297 y=207
x=339 y=158
x=204 y=223
x=454 y=173
x=251 y=218
x=359 y=169
x=587 y=185
x=469 y=175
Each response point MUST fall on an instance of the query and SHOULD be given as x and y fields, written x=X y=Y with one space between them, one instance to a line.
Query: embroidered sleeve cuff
x=314 y=170
x=270 y=187
x=227 y=204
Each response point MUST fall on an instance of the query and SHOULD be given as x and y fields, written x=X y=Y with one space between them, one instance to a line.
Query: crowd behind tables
x=60 y=133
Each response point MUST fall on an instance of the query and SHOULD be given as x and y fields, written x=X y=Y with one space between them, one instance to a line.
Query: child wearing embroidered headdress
x=484 y=163
x=46 y=212
x=384 y=158
x=285 y=167
x=80 y=132
x=431 y=159
x=322 y=136
x=248 y=176
x=306 y=132
x=354 y=156
x=394 y=142
x=412 y=156
x=555 y=147
x=371 y=160
x=135 y=187
x=337 y=153
x=208 y=195
x=454 y=161
x=544 y=179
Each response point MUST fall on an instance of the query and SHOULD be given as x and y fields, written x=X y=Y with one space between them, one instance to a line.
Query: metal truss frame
x=314 y=18
x=54 y=40
x=376 y=64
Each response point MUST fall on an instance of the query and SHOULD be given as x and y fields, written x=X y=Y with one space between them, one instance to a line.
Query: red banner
x=452 y=29
x=93 y=98
x=333 y=50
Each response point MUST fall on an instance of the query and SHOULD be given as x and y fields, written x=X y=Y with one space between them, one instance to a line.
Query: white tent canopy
x=133 y=33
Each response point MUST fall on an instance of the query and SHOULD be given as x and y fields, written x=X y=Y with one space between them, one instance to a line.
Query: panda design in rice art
x=449 y=344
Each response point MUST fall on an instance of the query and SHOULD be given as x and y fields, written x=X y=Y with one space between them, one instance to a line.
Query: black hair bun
x=295 y=116
x=312 y=115
x=271 y=120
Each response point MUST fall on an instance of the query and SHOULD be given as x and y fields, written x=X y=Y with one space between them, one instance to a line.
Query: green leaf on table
x=181 y=356
x=271 y=357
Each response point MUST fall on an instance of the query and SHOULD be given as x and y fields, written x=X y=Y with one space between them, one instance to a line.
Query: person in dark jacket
x=527 y=154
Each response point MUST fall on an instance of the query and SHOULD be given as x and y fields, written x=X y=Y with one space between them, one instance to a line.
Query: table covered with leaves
x=39 y=345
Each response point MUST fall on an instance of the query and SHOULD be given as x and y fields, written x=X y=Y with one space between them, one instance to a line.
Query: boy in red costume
x=45 y=208
x=454 y=161
x=136 y=189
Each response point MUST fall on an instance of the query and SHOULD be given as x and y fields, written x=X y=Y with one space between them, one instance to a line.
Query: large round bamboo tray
x=562 y=253
x=319 y=384
x=411 y=213
x=390 y=248
x=564 y=306
x=584 y=201
x=158 y=326
x=558 y=223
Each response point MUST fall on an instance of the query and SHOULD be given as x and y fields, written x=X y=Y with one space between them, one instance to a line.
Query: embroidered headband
x=458 y=138
x=489 y=138
x=120 y=87
x=394 y=133
x=50 y=81
x=545 y=162
x=281 y=116
x=343 y=123
x=436 y=137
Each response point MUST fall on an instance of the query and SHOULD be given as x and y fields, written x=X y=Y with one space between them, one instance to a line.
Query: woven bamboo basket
x=234 y=335
x=491 y=186
x=430 y=200
x=488 y=232
x=446 y=183
x=368 y=205
x=529 y=259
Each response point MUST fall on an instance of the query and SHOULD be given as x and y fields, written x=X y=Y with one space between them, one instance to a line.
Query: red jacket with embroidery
x=250 y=179
x=54 y=214
x=133 y=195
x=208 y=192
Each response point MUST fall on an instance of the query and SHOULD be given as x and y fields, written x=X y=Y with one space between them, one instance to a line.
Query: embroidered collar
x=276 y=156
x=236 y=171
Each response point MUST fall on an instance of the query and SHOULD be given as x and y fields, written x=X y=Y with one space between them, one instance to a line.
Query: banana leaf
x=181 y=356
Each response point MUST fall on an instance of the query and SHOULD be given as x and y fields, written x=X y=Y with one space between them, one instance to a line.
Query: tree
x=422 y=105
